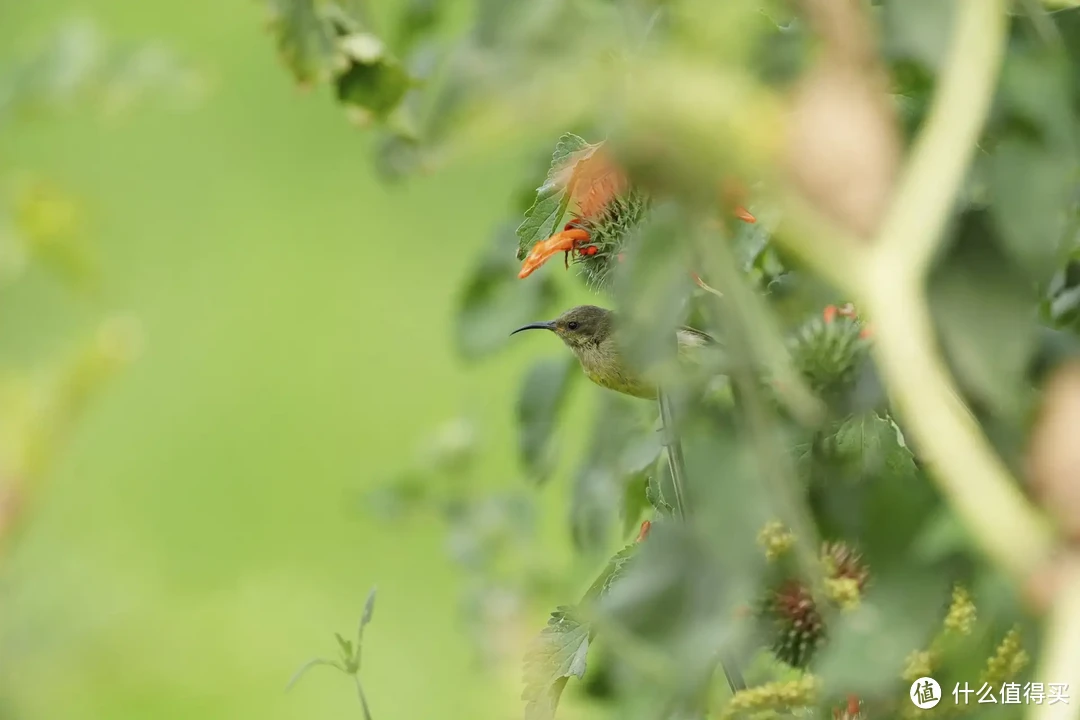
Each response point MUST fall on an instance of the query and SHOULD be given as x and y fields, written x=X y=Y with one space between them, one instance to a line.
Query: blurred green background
x=201 y=535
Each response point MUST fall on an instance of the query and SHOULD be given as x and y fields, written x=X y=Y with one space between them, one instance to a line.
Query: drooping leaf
x=553 y=197
x=543 y=395
x=374 y=82
x=303 y=669
x=556 y=655
x=305 y=40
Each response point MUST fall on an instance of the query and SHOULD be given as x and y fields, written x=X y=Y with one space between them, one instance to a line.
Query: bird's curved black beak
x=550 y=325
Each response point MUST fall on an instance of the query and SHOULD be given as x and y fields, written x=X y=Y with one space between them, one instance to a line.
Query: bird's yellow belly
x=623 y=384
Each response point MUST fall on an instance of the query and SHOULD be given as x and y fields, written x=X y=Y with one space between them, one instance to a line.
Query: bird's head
x=578 y=327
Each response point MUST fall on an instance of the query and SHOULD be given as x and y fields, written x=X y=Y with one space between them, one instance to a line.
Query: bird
x=590 y=333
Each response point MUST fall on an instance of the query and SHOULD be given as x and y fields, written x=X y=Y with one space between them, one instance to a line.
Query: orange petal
x=744 y=215
x=830 y=313
x=559 y=242
x=644 y=532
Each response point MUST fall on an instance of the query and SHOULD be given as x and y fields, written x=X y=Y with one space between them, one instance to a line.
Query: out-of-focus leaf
x=651 y=289
x=615 y=569
x=543 y=395
x=305 y=41
x=552 y=198
x=871 y=445
x=635 y=501
x=918 y=30
x=596 y=495
x=417 y=18
x=868 y=646
x=375 y=82
x=495 y=301
x=303 y=669
x=369 y=610
x=556 y=655
x=1033 y=167
x=984 y=308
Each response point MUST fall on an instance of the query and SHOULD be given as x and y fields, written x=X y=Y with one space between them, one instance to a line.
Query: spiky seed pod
x=799 y=628
x=797 y=625
x=829 y=353
x=843 y=563
x=608 y=231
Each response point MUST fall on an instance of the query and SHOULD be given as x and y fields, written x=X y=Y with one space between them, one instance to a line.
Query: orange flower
x=565 y=241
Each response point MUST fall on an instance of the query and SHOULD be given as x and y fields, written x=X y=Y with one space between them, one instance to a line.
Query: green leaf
x=542 y=397
x=984 y=308
x=635 y=501
x=305 y=41
x=314 y=662
x=918 y=30
x=417 y=19
x=369 y=609
x=615 y=569
x=1032 y=187
x=552 y=198
x=555 y=656
x=495 y=301
x=374 y=82
x=871 y=445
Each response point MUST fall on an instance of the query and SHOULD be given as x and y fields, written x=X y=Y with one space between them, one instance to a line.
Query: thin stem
x=677 y=465
x=1061 y=644
x=363 y=699
x=676 y=462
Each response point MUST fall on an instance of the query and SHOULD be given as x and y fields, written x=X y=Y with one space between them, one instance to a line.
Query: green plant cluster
x=888 y=324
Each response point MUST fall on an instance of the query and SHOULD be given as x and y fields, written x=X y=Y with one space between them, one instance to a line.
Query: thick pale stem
x=974 y=480
x=941 y=155
x=1061 y=646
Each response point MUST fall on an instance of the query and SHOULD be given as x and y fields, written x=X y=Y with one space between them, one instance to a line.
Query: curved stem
x=948 y=439
x=1061 y=646
x=912 y=228
x=974 y=480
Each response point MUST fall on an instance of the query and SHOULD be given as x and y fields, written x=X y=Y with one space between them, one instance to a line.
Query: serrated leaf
x=874 y=445
x=556 y=655
x=552 y=198
x=542 y=397
x=615 y=569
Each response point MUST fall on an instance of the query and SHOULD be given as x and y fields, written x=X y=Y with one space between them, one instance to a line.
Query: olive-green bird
x=589 y=331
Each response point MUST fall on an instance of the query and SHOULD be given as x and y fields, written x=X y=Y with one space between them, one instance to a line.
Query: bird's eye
x=572 y=325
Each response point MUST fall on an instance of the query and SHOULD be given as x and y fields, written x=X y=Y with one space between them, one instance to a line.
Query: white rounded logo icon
x=925 y=693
